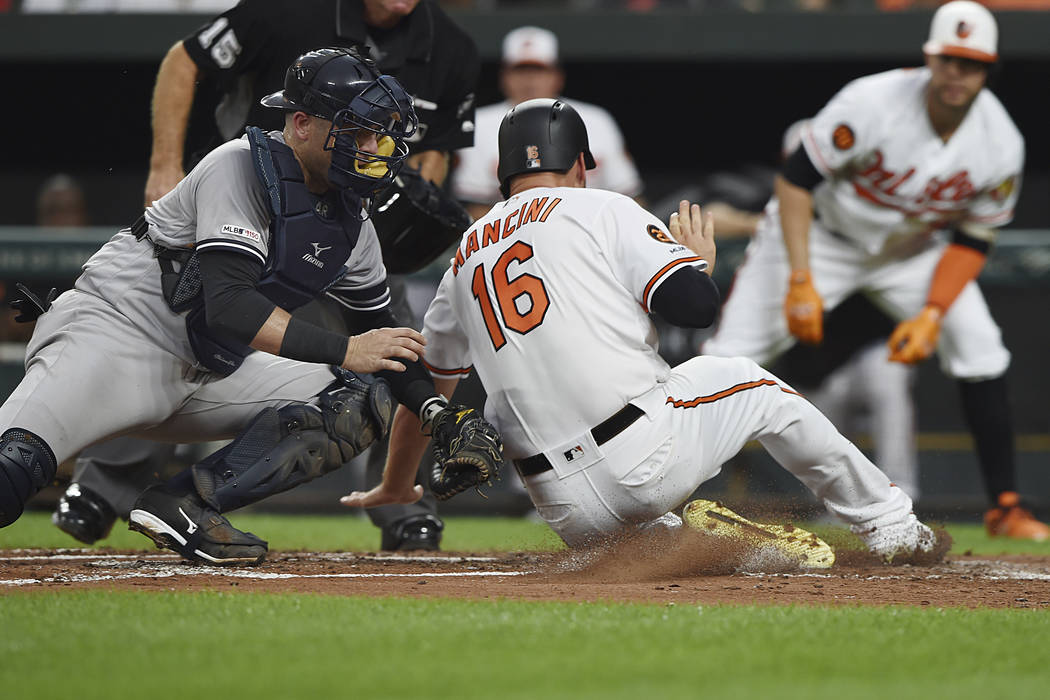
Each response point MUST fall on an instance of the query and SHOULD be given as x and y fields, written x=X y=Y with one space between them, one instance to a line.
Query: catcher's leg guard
x=27 y=465
x=285 y=447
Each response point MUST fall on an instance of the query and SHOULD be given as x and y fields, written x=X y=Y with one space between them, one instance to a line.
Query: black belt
x=602 y=433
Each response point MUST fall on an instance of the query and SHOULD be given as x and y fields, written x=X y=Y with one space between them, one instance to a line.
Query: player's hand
x=161 y=180
x=915 y=339
x=803 y=309
x=694 y=231
x=381 y=496
x=373 y=351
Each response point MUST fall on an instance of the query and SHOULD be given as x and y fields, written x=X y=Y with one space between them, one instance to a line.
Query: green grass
x=478 y=534
x=309 y=532
x=125 y=644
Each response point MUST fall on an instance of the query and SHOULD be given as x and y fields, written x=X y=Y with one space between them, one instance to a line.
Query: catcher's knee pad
x=283 y=448
x=27 y=465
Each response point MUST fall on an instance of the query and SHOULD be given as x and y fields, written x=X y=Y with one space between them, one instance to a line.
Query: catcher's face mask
x=382 y=109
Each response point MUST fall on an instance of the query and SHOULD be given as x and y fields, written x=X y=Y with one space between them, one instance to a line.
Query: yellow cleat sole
x=803 y=546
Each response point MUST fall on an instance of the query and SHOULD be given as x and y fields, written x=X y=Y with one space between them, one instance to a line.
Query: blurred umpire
x=244 y=52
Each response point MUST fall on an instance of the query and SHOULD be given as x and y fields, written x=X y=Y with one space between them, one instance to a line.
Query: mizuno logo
x=318 y=248
x=191 y=527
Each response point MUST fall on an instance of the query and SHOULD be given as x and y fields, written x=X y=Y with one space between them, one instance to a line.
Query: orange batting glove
x=915 y=339
x=803 y=309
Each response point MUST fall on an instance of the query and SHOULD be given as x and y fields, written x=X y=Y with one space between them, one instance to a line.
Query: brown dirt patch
x=647 y=570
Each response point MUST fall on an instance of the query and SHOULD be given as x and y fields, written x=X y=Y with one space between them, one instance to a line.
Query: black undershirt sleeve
x=688 y=298
x=799 y=170
x=234 y=307
x=960 y=237
x=411 y=387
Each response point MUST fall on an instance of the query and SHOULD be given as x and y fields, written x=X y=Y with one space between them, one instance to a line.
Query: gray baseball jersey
x=110 y=358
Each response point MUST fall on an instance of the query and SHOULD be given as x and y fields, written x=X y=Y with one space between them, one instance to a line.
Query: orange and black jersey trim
x=726 y=393
x=457 y=372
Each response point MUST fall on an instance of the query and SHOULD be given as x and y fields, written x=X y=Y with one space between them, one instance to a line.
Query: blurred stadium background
x=702 y=89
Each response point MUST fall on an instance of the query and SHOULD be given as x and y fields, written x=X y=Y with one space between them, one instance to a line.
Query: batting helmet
x=345 y=88
x=540 y=135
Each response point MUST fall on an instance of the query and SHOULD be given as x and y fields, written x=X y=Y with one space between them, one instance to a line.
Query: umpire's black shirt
x=248 y=48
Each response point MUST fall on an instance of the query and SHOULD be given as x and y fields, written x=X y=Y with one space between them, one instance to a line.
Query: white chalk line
x=168 y=572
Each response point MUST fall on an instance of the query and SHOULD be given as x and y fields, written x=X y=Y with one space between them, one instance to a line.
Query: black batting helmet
x=540 y=135
x=346 y=88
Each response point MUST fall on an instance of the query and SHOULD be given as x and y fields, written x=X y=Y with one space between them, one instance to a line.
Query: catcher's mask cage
x=345 y=88
x=540 y=135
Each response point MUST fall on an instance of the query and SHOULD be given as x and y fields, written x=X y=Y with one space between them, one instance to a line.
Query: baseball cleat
x=185 y=524
x=414 y=533
x=905 y=538
x=1009 y=519
x=83 y=514
x=797 y=544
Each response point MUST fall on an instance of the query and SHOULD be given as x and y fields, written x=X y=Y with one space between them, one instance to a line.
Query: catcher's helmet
x=540 y=135
x=345 y=88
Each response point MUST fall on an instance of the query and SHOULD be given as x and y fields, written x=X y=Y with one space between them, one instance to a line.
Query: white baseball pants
x=693 y=423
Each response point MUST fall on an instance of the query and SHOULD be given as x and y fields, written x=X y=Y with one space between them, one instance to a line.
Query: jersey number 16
x=508 y=293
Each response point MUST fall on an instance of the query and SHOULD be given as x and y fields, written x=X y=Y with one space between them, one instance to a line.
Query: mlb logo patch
x=573 y=453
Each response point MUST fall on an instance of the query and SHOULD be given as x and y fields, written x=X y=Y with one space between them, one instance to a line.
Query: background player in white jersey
x=902 y=178
x=157 y=337
x=531 y=70
x=548 y=299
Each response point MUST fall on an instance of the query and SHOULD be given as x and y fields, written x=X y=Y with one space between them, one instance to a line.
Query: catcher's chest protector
x=311 y=236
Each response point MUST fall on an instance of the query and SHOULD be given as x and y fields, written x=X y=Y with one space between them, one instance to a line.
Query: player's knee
x=283 y=448
x=27 y=464
x=357 y=411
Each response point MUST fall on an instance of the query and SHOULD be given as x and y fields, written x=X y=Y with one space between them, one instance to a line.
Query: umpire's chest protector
x=311 y=237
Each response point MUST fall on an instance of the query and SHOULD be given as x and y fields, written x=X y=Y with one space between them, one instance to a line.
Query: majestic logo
x=532 y=157
x=318 y=248
x=843 y=137
x=658 y=234
x=574 y=453
x=963 y=29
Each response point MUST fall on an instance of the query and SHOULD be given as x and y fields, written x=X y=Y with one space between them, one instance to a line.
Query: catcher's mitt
x=467 y=450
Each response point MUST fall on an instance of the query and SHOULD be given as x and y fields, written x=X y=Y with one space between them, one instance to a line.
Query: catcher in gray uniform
x=158 y=337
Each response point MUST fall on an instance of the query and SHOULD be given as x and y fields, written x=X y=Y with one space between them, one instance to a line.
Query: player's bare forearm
x=796 y=216
x=407 y=446
x=432 y=165
x=172 y=99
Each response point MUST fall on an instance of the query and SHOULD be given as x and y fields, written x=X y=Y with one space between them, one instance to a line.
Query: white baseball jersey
x=890 y=177
x=475 y=180
x=552 y=269
x=548 y=299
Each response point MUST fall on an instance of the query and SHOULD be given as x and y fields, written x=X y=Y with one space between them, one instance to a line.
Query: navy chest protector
x=311 y=237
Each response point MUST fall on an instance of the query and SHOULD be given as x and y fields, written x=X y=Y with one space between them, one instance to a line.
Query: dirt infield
x=1014 y=581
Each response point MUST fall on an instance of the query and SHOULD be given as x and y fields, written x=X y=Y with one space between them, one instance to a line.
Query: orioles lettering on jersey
x=535 y=210
x=879 y=184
